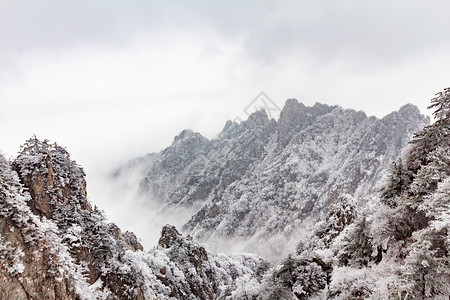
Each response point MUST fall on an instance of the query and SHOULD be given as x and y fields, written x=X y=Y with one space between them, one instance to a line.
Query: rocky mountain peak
x=186 y=147
x=169 y=234
x=407 y=113
x=230 y=130
x=51 y=176
x=410 y=108
x=188 y=134
x=295 y=116
x=292 y=105
x=257 y=118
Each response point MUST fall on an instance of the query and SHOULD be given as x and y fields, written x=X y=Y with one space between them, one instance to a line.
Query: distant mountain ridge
x=263 y=179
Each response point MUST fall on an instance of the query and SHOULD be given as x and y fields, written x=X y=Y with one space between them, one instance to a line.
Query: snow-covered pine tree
x=303 y=275
x=428 y=177
x=341 y=213
x=441 y=104
x=432 y=136
x=355 y=248
x=425 y=274
x=427 y=266
x=398 y=182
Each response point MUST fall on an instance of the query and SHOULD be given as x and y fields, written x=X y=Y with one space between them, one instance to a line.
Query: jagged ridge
x=263 y=179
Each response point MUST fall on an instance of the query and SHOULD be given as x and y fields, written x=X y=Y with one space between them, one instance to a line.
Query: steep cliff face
x=267 y=180
x=34 y=263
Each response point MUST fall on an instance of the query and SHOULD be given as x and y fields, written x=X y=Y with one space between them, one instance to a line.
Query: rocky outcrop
x=296 y=117
x=30 y=265
x=188 y=255
x=57 y=245
x=193 y=273
x=131 y=241
x=50 y=178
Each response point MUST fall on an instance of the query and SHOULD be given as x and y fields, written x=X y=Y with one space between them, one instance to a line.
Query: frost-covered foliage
x=402 y=251
x=263 y=181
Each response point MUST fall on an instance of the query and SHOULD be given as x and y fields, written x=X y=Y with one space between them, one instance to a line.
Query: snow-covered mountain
x=54 y=244
x=267 y=180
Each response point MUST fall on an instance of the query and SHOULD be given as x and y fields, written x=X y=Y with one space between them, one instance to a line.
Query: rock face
x=49 y=186
x=30 y=265
x=264 y=180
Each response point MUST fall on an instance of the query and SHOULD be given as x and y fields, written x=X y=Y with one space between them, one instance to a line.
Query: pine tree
x=432 y=136
x=398 y=183
x=425 y=273
x=303 y=275
x=428 y=177
x=427 y=267
x=341 y=213
x=441 y=103
x=356 y=246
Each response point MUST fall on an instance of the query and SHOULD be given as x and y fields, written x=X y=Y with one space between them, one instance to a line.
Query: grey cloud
x=52 y=23
x=380 y=31
x=353 y=30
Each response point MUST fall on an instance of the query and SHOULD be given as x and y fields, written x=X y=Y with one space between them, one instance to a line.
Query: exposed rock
x=187 y=254
x=169 y=235
x=30 y=267
x=132 y=242
x=58 y=244
x=38 y=278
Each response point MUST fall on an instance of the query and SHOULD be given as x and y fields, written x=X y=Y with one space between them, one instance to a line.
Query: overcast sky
x=112 y=80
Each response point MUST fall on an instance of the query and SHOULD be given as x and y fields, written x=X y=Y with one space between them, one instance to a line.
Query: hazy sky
x=111 y=80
